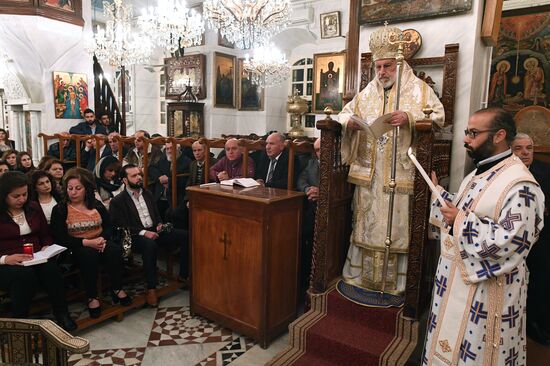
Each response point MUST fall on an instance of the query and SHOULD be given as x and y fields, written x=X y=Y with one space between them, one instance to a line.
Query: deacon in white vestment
x=370 y=166
x=478 y=309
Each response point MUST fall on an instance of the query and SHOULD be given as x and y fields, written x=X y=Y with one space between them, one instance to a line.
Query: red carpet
x=337 y=331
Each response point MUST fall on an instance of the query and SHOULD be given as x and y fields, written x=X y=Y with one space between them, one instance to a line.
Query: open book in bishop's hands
x=242 y=182
x=377 y=128
x=43 y=255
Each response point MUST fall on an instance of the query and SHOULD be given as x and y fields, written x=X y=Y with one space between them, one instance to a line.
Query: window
x=302 y=77
x=162 y=98
x=302 y=82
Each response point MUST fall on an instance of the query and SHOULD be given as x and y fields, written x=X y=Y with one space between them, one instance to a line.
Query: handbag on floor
x=122 y=235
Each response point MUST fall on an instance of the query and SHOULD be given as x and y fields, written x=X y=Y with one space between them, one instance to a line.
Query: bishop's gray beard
x=387 y=83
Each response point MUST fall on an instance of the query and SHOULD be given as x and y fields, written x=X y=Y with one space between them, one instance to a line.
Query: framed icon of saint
x=328 y=81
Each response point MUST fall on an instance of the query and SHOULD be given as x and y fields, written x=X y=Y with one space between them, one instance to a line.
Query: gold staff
x=388 y=241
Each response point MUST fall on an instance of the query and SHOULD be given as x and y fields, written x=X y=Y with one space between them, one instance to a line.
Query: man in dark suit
x=105 y=120
x=272 y=169
x=135 y=209
x=90 y=126
x=538 y=260
x=160 y=177
x=69 y=151
x=196 y=168
x=308 y=182
x=113 y=145
x=87 y=155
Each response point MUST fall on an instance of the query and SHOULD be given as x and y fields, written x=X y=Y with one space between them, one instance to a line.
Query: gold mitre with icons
x=383 y=43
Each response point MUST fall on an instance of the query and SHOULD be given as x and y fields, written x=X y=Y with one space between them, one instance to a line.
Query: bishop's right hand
x=352 y=125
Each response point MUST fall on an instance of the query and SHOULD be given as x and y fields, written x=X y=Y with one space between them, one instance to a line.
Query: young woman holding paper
x=22 y=222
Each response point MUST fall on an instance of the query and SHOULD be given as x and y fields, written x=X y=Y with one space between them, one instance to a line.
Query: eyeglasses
x=475 y=133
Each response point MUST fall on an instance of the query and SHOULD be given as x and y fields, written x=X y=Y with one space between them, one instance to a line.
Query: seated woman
x=10 y=157
x=83 y=224
x=55 y=168
x=5 y=142
x=106 y=178
x=4 y=167
x=43 y=161
x=22 y=221
x=44 y=191
x=24 y=162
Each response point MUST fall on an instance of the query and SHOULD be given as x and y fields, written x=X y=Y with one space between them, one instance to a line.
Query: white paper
x=243 y=182
x=42 y=256
x=228 y=182
x=377 y=128
x=426 y=178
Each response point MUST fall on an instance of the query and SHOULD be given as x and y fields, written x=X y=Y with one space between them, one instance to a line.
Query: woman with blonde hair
x=10 y=157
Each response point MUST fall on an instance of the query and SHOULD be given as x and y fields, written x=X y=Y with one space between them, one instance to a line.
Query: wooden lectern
x=245 y=245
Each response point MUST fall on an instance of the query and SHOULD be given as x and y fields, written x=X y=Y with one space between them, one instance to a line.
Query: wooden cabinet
x=185 y=119
x=245 y=257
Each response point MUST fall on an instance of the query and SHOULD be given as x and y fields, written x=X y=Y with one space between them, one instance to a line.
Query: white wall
x=38 y=46
x=217 y=120
x=300 y=45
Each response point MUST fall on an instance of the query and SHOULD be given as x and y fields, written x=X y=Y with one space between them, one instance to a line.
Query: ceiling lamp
x=268 y=67
x=118 y=43
x=247 y=23
x=172 y=25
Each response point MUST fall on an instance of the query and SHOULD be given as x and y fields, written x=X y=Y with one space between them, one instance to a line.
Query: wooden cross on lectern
x=225 y=242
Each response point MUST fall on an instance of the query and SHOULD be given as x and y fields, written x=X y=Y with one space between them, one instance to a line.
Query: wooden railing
x=248 y=146
x=105 y=100
x=37 y=342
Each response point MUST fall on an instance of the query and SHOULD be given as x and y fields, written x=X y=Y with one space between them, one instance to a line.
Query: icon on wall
x=328 y=81
x=330 y=24
x=70 y=91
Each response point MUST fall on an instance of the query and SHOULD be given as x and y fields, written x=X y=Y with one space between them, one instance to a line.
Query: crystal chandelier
x=247 y=23
x=172 y=25
x=119 y=44
x=268 y=67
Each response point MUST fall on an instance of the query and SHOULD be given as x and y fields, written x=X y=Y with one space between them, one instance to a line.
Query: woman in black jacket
x=83 y=224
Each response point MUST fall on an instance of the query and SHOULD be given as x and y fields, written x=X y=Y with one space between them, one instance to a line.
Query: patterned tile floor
x=167 y=336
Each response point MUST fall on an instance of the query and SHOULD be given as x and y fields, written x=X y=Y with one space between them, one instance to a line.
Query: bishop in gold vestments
x=370 y=166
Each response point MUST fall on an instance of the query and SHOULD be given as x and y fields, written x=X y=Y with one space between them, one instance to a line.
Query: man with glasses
x=487 y=229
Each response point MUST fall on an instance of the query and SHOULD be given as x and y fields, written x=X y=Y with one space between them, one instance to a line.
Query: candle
x=28 y=248
x=426 y=178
